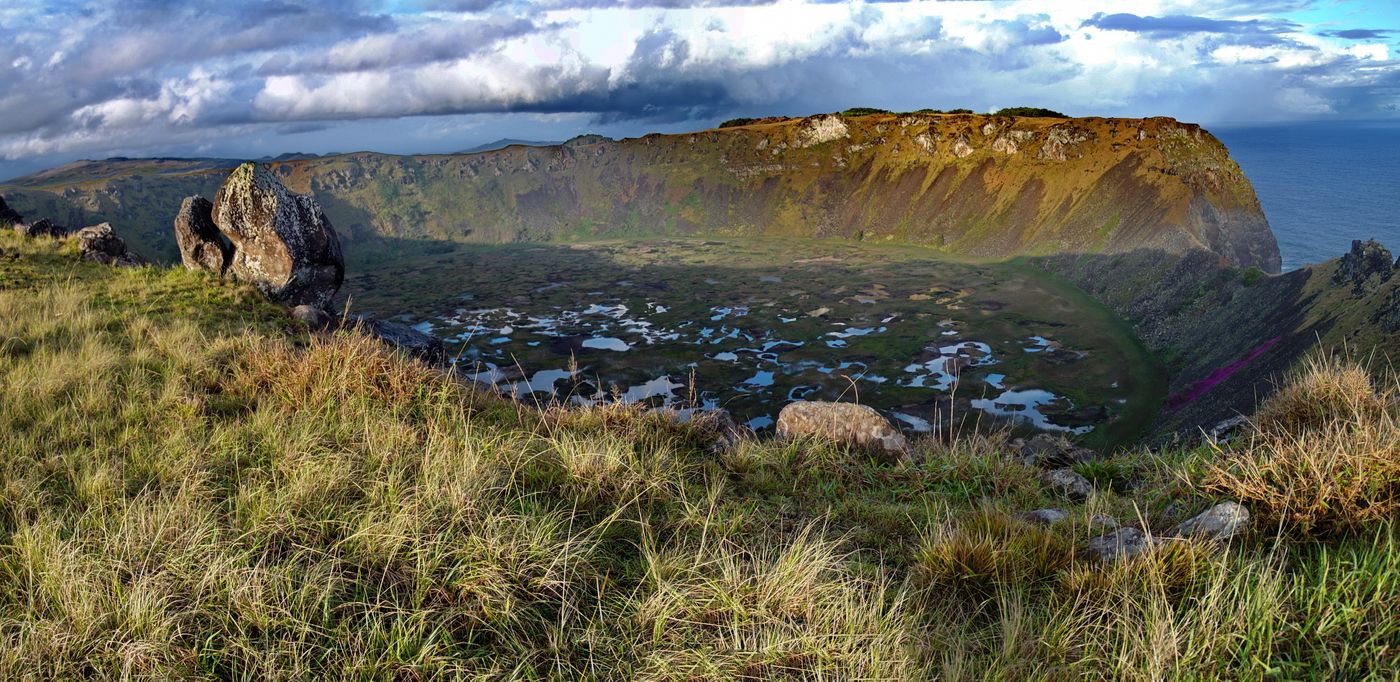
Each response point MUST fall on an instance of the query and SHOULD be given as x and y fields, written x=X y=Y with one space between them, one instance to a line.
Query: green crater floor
x=749 y=324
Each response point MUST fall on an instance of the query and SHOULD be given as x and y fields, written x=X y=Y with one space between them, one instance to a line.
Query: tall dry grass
x=1324 y=456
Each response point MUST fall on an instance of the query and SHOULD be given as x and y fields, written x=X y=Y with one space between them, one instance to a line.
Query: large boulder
x=202 y=246
x=41 y=228
x=9 y=216
x=100 y=243
x=282 y=242
x=857 y=425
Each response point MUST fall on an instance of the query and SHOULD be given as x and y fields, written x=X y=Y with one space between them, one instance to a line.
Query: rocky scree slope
x=967 y=184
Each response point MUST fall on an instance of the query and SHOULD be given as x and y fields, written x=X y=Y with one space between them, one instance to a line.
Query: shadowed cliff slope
x=966 y=184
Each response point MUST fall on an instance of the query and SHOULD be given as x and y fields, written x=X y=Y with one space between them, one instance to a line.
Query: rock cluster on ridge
x=100 y=244
x=278 y=241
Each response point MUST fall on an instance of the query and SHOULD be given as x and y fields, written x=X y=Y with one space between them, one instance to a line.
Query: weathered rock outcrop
x=100 y=244
x=1365 y=266
x=281 y=242
x=856 y=425
x=202 y=246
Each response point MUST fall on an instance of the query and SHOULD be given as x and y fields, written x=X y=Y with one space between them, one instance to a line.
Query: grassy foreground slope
x=190 y=488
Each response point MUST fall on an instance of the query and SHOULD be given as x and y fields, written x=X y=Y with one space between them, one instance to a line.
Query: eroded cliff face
x=966 y=184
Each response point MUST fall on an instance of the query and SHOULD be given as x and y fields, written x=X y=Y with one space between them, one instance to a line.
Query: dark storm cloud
x=1361 y=34
x=433 y=43
x=1252 y=31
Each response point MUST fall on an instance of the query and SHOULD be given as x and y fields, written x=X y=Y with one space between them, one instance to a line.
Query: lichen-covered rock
x=202 y=246
x=1364 y=261
x=1067 y=482
x=100 y=244
x=1221 y=522
x=1120 y=544
x=41 y=228
x=9 y=216
x=425 y=347
x=282 y=242
x=847 y=423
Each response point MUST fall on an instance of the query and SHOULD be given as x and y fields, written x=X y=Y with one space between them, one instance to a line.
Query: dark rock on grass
x=728 y=432
x=1044 y=517
x=847 y=423
x=1387 y=315
x=1049 y=451
x=100 y=244
x=282 y=242
x=1365 y=260
x=425 y=347
x=202 y=246
x=41 y=228
x=1120 y=544
x=1228 y=430
x=1221 y=522
x=1067 y=483
x=9 y=216
x=314 y=317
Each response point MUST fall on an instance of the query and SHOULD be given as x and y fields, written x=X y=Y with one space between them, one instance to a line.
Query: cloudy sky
x=246 y=79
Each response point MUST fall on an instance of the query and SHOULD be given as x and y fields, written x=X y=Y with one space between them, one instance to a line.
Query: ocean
x=1323 y=184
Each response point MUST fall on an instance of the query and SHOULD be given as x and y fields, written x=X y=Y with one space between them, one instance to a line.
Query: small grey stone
x=425 y=347
x=313 y=316
x=1221 y=522
x=1120 y=544
x=1044 y=517
x=1067 y=482
x=1101 y=521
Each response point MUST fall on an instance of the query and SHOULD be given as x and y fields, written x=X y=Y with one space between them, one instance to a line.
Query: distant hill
x=506 y=142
